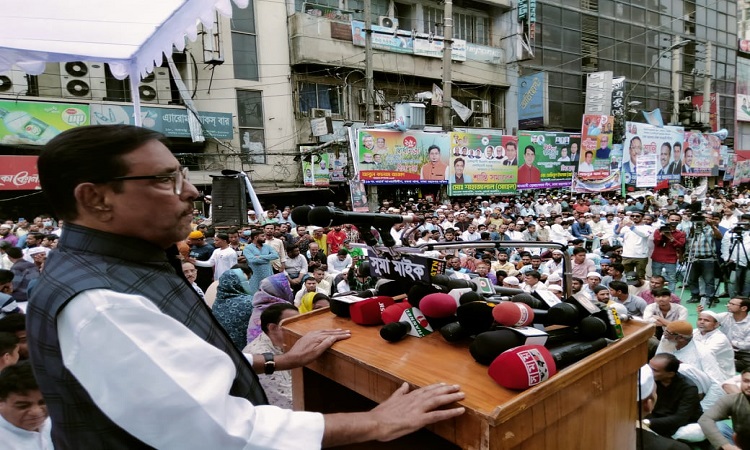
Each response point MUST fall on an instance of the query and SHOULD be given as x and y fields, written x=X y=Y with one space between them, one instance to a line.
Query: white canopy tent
x=132 y=36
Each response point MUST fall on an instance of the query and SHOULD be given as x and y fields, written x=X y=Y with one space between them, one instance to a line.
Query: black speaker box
x=228 y=202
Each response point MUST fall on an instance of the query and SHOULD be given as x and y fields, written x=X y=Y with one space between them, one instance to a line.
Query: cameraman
x=702 y=251
x=734 y=255
x=669 y=243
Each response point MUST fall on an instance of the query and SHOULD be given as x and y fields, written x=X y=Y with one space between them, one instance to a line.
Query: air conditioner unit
x=317 y=113
x=480 y=122
x=388 y=22
x=14 y=82
x=480 y=106
x=155 y=88
x=83 y=80
x=378 y=97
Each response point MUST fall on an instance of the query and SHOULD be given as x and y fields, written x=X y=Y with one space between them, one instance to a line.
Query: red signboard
x=18 y=173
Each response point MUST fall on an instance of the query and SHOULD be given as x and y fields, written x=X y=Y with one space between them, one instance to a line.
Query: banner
x=652 y=154
x=741 y=172
x=482 y=164
x=383 y=38
x=595 y=159
x=336 y=166
x=359 y=196
x=18 y=173
x=730 y=167
x=172 y=122
x=35 y=123
x=702 y=154
x=540 y=161
x=612 y=182
x=390 y=157
x=314 y=167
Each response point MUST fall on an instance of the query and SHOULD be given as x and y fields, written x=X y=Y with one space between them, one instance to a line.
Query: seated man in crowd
x=619 y=291
x=646 y=438
x=24 y=420
x=677 y=402
x=709 y=335
x=663 y=312
x=735 y=406
x=9 y=348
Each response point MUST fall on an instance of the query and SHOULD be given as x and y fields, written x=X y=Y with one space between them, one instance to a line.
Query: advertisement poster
x=741 y=173
x=18 y=173
x=391 y=157
x=730 y=167
x=314 y=168
x=595 y=158
x=533 y=109
x=613 y=182
x=540 y=161
x=652 y=154
x=336 y=166
x=359 y=196
x=702 y=154
x=383 y=38
x=35 y=123
x=482 y=164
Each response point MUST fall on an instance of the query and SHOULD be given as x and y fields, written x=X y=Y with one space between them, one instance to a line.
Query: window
x=250 y=120
x=324 y=96
x=466 y=26
x=244 y=43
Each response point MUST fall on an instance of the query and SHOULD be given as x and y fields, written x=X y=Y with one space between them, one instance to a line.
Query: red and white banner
x=18 y=173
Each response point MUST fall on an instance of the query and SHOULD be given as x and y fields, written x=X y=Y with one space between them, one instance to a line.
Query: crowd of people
x=111 y=276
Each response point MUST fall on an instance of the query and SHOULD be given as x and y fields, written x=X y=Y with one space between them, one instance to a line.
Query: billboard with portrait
x=702 y=154
x=392 y=157
x=595 y=158
x=540 y=161
x=652 y=154
x=482 y=164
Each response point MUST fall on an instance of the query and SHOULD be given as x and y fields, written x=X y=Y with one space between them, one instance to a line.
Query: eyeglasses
x=177 y=178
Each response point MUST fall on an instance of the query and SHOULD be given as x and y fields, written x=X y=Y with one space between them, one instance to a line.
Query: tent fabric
x=132 y=36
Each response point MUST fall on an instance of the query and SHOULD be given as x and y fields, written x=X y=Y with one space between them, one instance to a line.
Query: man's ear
x=94 y=200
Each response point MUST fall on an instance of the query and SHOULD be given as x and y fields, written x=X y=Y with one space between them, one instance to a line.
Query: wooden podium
x=589 y=405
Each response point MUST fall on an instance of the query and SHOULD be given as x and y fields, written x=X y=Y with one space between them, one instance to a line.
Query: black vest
x=90 y=259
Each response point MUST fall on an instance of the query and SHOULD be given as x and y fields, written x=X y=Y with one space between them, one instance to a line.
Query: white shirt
x=585 y=167
x=718 y=344
x=635 y=241
x=179 y=375
x=676 y=312
x=559 y=234
x=14 y=438
x=336 y=266
x=475 y=236
x=737 y=332
x=221 y=260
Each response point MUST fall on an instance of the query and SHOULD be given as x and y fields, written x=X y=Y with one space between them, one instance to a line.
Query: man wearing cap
x=200 y=250
x=7 y=236
x=511 y=282
x=678 y=340
x=592 y=281
x=677 y=396
x=636 y=285
x=709 y=336
x=555 y=265
x=735 y=323
x=735 y=406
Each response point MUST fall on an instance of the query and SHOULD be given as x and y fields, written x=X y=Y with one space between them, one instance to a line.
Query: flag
x=654 y=118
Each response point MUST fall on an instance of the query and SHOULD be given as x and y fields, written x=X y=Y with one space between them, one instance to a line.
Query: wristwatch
x=270 y=365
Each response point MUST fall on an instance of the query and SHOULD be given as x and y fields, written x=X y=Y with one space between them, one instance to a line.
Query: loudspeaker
x=228 y=202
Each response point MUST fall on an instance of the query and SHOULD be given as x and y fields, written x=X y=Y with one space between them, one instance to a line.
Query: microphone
x=529 y=300
x=475 y=317
x=369 y=311
x=573 y=352
x=412 y=322
x=438 y=305
x=419 y=291
x=453 y=332
x=489 y=345
x=395 y=331
x=522 y=367
x=326 y=216
x=394 y=312
x=455 y=283
x=511 y=314
x=299 y=215
x=563 y=314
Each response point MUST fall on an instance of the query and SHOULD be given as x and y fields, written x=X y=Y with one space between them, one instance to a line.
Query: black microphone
x=453 y=283
x=573 y=352
x=299 y=215
x=326 y=216
x=395 y=331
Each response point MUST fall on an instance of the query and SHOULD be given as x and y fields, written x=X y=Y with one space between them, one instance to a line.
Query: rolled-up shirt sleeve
x=163 y=384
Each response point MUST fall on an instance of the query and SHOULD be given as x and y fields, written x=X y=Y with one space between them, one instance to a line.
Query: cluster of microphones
x=509 y=330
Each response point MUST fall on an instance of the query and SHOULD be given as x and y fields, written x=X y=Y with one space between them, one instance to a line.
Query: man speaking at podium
x=125 y=352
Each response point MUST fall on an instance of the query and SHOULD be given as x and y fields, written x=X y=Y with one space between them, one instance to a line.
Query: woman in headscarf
x=313 y=300
x=233 y=305
x=274 y=289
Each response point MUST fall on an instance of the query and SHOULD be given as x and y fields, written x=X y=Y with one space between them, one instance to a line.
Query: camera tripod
x=732 y=264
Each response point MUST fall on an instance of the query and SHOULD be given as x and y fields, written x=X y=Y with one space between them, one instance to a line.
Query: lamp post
x=675 y=87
